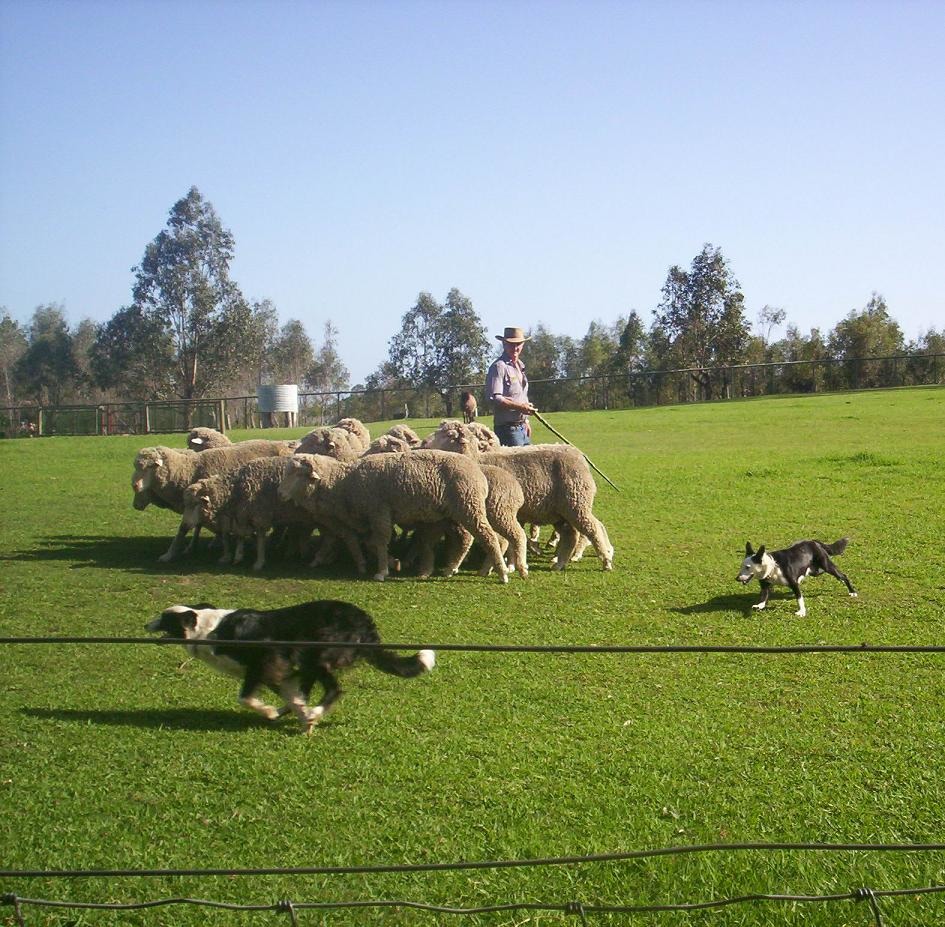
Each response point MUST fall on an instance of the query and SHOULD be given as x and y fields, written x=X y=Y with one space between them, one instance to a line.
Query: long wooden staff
x=557 y=433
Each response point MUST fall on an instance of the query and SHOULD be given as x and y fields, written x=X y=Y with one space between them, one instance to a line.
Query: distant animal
x=290 y=671
x=470 y=410
x=790 y=567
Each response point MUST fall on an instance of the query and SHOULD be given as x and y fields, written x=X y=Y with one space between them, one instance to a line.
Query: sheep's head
x=486 y=439
x=355 y=426
x=452 y=436
x=404 y=433
x=148 y=462
x=198 y=502
x=314 y=442
x=200 y=439
x=301 y=478
x=389 y=444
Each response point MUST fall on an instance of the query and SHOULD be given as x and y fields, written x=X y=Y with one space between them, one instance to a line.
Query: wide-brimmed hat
x=513 y=336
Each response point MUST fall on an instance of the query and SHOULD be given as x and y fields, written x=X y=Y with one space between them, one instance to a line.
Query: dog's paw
x=314 y=716
x=853 y=595
x=759 y=606
x=801 y=613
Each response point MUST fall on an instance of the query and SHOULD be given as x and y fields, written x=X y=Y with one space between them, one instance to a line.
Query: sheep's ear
x=158 y=461
x=748 y=550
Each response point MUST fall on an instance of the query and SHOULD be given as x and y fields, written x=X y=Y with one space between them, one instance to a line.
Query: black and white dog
x=289 y=671
x=789 y=567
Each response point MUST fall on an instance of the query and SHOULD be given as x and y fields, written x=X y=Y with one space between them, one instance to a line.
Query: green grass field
x=118 y=757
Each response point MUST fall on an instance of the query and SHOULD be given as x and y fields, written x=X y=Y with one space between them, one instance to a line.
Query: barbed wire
x=570 y=908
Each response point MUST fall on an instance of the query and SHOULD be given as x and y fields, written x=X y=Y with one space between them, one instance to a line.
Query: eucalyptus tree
x=47 y=371
x=183 y=290
x=291 y=354
x=872 y=332
x=13 y=345
x=439 y=346
x=327 y=373
x=700 y=322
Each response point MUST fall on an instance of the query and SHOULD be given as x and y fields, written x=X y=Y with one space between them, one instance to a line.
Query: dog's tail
x=389 y=662
x=837 y=548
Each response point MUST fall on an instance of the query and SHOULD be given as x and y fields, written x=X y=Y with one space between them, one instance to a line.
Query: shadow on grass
x=177 y=719
x=140 y=555
x=720 y=603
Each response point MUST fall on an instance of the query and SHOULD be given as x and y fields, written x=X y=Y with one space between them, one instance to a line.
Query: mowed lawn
x=133 y=757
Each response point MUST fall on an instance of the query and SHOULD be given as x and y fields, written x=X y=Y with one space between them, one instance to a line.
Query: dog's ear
x=188 y=619
x=760 y=554
x=748 y=550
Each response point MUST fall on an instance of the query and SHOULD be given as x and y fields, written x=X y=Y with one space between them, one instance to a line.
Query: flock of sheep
x=456 y=486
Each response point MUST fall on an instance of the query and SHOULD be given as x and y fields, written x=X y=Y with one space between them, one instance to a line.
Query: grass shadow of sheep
x=94 y=550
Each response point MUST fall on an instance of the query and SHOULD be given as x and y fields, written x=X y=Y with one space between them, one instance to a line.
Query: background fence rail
x=624 y=390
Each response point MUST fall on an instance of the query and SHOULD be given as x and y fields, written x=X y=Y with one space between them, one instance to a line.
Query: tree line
x=189 y=333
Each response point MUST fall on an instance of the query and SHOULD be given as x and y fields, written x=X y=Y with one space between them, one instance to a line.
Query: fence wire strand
x=864 y=647
x=570 y=908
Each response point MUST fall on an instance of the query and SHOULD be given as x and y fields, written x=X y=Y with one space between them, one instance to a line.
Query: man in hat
x=507 y=390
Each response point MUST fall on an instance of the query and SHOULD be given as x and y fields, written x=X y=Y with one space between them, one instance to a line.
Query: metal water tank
x=272 y=399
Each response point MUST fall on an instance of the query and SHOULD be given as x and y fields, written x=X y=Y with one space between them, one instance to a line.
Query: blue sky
x=552 y=160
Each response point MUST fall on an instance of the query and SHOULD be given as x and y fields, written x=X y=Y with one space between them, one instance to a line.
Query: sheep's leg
x=225 y=556
x=511 y=535
x=260 y=548
x=483 y=533
x=327 y=549
x=567 y=543
x=176 y=544
x=486 y=567
x=353 y=546
x=425 y=539
x=583 y=542
x=587 y=524
x=458 y=542
x=534 y=537
x=381 y=526
x=192 y=546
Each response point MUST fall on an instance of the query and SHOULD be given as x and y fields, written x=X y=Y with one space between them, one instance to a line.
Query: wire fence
x=868 y=897
x=623 y=389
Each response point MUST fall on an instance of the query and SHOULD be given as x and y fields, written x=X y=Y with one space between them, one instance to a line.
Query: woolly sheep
x=358 y=429
x=203 y=439
x=331 y=442
x=245 y=503
x=372 y=494
x=404 y=433
x=162 y=474
x=454 y=435
x=559 y=488
x=388 y=444
x=503 y=502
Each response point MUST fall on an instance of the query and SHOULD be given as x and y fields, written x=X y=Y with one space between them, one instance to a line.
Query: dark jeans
x=512 y=435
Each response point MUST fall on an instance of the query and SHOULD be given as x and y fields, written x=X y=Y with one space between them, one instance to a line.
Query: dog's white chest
x=221 y=664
